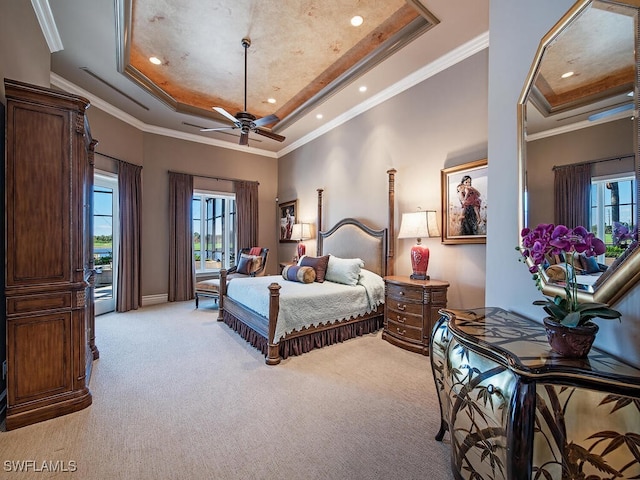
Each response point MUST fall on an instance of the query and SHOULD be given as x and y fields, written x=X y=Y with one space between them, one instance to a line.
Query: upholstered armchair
x=250 y=262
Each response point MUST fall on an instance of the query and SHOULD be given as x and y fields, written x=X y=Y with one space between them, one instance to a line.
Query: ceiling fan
x=244 y=120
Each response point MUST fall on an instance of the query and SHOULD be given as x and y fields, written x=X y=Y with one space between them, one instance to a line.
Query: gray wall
x=508 y=283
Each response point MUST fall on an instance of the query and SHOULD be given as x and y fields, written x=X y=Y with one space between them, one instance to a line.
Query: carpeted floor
x=178 y=395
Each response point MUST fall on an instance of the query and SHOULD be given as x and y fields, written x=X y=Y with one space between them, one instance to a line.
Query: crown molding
x=457 y=55
x=446 y=61
x=106 y=107
x=47 y=24
x=578 y=126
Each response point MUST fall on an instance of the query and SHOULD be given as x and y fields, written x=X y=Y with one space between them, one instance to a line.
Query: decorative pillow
x=247 y=263
x=343 y=270
x=319 y=264
x=296 y=273
x=589 y=264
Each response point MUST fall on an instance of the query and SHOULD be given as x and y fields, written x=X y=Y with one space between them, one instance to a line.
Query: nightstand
x=284 y=264
x=411 y=310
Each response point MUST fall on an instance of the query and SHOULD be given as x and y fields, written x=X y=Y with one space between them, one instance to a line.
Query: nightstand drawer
x=403 y=292
x=404 y=318
x=401 y=306
x=405 y=331
x=438 y=297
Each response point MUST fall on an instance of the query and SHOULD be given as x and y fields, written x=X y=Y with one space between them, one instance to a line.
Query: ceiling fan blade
x=217 y=129
x=266 y=120
x=265 y=132
x=226 y=114
x=244 y=138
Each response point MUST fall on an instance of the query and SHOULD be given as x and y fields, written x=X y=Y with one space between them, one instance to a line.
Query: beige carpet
x=178 y=395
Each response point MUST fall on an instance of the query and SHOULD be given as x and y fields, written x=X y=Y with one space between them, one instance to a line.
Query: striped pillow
x=296 y=273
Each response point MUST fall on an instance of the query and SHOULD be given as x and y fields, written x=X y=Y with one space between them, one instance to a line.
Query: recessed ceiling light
x=271 y=100
x=319 y=116
x=357 y=21
x=155 y=60
x=363 y=88
x=567 y=75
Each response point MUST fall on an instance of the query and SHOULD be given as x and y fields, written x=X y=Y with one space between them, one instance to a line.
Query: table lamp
x=300 y=232
x=419 y=225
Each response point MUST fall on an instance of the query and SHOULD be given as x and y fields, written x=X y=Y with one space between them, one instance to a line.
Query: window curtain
x=247 y=211
x=181 y=265
x=128 y=291
x=572 y=188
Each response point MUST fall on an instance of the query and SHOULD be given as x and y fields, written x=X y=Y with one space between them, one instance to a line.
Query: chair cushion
x=212 y=285
x=248 y=264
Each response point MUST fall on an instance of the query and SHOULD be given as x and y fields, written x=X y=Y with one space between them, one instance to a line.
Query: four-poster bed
x=267 y=313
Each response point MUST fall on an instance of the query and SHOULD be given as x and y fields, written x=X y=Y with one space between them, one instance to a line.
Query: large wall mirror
x=578 y=139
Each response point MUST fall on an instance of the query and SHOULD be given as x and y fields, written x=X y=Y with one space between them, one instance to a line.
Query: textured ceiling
x=298 y=49
x=94 y=61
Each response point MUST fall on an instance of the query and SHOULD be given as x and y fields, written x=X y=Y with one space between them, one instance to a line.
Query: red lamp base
x=302 y=249
x=419 y=262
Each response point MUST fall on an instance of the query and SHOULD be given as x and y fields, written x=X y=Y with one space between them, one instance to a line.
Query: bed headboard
x=350 y=238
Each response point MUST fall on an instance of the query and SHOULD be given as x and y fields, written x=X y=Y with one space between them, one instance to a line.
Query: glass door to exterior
x=105 y=230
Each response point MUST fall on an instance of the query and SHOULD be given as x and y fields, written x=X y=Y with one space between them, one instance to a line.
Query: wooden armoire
x=49 y=273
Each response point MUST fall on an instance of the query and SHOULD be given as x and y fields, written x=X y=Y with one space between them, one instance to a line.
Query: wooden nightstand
x=411 y=310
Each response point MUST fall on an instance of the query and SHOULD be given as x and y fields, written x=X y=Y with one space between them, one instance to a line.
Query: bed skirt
x=306 y=342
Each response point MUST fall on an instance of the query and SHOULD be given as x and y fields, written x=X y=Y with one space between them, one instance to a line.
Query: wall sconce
x=301 y=231
x=419 y=225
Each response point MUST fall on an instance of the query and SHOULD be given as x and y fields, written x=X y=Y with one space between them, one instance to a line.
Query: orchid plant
x=622 y=234
x=549 y=239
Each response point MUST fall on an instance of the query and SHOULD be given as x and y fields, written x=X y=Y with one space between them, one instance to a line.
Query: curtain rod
x=227 y=179
x=116 y=159
x=588 y=162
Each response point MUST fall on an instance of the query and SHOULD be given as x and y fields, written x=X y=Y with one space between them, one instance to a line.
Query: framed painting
x=464 y=203
x=286 y=218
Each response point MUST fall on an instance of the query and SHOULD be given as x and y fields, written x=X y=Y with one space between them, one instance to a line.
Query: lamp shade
x=419 y=225
x=301 y=231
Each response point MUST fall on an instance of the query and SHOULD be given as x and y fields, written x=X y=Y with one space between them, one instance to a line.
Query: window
x=612 y=200
x=214 y=231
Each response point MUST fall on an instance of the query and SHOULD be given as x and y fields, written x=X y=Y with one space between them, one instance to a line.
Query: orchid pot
x=567 y=315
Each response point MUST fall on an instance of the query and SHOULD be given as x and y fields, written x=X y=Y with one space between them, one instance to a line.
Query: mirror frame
x=627 y=274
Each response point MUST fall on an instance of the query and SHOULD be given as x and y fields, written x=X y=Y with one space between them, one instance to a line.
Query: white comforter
x=306 y=304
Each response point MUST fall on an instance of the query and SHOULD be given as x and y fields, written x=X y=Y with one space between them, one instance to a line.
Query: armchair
x=250 y=262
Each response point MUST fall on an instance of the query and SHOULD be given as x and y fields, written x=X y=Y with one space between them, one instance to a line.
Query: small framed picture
x=286 y=219
x=464 y=203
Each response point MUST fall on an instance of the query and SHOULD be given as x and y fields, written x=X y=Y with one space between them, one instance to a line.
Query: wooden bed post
x=319 y=221
x=222 y=291
x=273 y=349
x=392 y=203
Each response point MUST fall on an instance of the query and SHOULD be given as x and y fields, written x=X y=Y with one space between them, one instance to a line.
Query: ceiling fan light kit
x=245 y=121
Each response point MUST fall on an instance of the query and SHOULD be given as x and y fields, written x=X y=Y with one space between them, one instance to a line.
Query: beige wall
x=158 y=155
x=439 y=123
x=23 y=50
x=162 y=154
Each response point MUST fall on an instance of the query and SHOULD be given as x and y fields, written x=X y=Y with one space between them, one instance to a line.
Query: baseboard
x=154 y=299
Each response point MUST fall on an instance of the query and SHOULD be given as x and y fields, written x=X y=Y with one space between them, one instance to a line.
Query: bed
x=260 y=310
